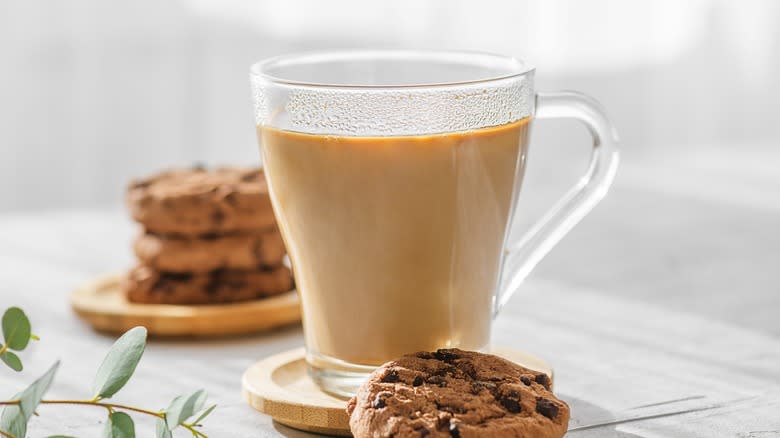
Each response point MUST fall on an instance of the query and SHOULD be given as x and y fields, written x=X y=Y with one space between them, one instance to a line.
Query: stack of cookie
x=209 y=237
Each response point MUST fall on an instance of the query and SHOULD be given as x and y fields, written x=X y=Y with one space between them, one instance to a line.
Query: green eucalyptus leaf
x=184 y=407
x=16 y=329
x=204 y=414
x=120 y=362
x=161 y=429
x=199 y=398
x=119 y=425
x=15 y=417
x=31 y=397
x=12 y=361
x=13 y=421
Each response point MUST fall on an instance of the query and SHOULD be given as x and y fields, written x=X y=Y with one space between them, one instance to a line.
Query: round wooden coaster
x=280 y=386
x=103 y=305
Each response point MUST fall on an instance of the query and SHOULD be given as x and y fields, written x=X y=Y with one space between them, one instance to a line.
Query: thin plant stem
x=192 y=429
x=109 y=406
x=104 y=405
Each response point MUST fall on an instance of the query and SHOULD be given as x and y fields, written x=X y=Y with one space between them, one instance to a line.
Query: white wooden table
x=661 y=295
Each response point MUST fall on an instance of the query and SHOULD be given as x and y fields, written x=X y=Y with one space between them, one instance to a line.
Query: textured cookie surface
x=146 y=285
x=198 y=201
x=455 y=393
x=245 y=251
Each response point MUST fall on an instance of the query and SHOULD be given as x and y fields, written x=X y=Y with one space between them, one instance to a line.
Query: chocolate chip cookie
x=146 y=285
x=199 y=201
x=175 y=253
x=455 y=393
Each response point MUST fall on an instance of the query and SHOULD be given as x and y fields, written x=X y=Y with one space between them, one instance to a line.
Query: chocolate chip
x=230 y=198
x=446 y=355
x=510 y=401
x=176 y=276
x=546 y=408
x=468 y=369
x=543 y=380
x=198 y=166
x=391 y=377
x=526 y=380
x=477 y=386
x=448 y=370
x=217 y=216
x=511 y=405
x=423 y=432
x=454 y=432
x=424 y=355
x=379 y=402
x=417 y=381
x=437 y=380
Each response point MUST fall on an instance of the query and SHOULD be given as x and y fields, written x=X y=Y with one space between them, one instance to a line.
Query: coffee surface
x=395 y=242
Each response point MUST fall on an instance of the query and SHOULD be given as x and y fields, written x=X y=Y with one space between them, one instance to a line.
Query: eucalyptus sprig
x=17 y=334
x=115 y=371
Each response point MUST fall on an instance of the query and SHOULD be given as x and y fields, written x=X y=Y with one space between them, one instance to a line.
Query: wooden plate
x=280 y=387
x=103 y=305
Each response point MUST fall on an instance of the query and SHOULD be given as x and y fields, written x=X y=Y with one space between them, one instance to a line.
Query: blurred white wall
x=93 y=93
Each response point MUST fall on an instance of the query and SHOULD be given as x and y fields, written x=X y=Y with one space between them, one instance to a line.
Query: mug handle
x=521 y=255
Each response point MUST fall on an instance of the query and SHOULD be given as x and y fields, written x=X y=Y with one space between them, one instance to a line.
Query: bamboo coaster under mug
x=280 y=386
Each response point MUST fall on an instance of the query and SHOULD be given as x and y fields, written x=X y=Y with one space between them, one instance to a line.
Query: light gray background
x=94 y=93
x=669 y=289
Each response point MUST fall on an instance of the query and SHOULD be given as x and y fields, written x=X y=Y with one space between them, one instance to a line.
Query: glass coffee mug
x=394 y=176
